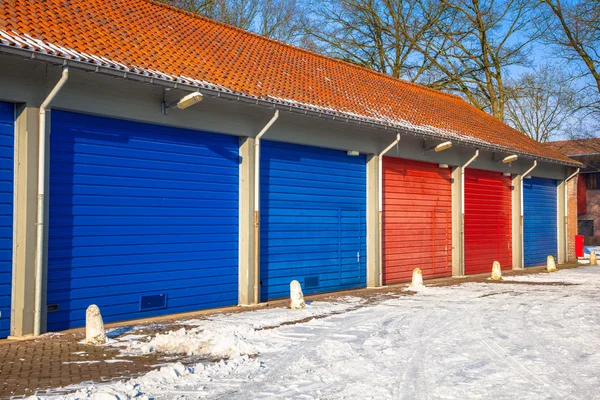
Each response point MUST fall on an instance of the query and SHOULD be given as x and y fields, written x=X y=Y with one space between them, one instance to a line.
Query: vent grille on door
x=153 y=302
x=311 y=282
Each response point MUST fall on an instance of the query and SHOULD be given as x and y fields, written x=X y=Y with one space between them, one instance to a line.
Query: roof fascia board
x=214 y=91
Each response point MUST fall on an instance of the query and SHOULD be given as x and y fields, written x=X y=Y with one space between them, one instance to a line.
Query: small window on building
x=592 y=181
x=585 y=227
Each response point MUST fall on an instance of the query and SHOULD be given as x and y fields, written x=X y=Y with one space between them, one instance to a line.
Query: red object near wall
x=581 y=194
x=417 y=219
x=579 y=245
x=488 y=228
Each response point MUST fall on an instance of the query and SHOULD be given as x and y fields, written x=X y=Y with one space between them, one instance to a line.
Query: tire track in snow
x=276 y=368
x=412 y=368
x=425 y=325
x=505 y=357
x=556 y=329
x=340 y=323
x=582 y=324
x=544 y=328
x=574 y=324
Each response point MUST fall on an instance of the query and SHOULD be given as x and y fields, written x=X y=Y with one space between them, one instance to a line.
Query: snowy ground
x=531 y=337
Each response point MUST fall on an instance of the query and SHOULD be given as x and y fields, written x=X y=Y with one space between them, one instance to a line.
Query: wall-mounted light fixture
x=506 y=160
x=183 y=103
x=509 y=159
x=440 y=147
x=353 y=153
x=443 y=165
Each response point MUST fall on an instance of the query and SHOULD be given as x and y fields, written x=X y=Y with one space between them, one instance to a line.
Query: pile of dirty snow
x=216 y=337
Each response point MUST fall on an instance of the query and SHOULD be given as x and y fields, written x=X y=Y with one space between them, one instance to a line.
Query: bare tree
x=203 y=7
x=371 y=33
x=476 y=41
x=542 y=103
x=574 y=28
x=461 y=46
x=282 y=20
x=277 y=19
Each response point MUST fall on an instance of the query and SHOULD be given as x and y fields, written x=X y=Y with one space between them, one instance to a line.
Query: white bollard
x=593 y=259
x=417 y=278
x=94 y=326
x=296 y=296
x=550 y=264
x=496 y=271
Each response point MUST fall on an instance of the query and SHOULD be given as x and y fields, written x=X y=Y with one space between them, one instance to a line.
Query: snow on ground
x=530 y=337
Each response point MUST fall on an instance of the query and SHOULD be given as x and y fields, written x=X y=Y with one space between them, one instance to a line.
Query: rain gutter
x=164 y=80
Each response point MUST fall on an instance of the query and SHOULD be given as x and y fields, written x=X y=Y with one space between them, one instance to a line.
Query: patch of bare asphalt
x=369 y=300
x=532 y=283
x=54 y=361
x=509 y=292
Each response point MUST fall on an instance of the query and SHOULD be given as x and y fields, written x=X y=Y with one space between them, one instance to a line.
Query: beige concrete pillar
x=458 y=243
x=374 y=259
x=572 y=217
x=517 y=223
x=247 y=276
x=562 y=221
x=26 y=155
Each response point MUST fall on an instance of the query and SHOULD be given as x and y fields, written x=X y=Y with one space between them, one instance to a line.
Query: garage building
x=134 y=175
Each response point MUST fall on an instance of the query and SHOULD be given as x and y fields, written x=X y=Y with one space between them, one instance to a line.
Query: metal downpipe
x=41 y=200
x=380 y=204
x=462 y=205
x=257 y=203
x=523 y=214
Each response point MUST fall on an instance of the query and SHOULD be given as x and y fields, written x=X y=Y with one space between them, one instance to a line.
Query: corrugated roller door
x=143 y=219
x=539 y=220
x=7 y=130
x=313 y=219
x=487 y=221
x=417 y=219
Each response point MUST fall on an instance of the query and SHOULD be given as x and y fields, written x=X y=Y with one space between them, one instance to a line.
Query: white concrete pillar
x=550 y=264
x=296 y=296
x=94 y=326
x=417 y=278
x=496 y=271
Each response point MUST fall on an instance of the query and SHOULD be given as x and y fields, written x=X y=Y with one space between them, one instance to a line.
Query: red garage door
x=487 y=221
x=417 y=223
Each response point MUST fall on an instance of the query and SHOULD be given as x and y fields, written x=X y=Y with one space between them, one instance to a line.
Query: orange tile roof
x=577 y=147
x=147 y=36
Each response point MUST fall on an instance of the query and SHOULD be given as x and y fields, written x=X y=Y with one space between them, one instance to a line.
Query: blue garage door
x=143 y=219
x=539 y=220
x=7 y=128
x=313 y=219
